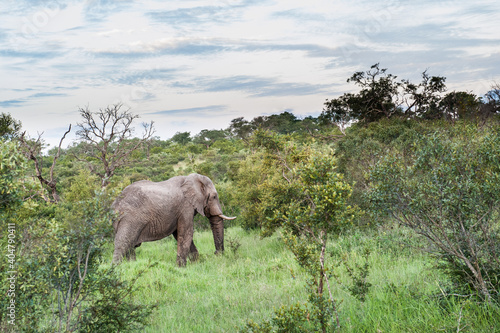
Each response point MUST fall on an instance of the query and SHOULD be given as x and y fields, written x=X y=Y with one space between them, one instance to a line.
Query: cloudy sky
x=191 y=65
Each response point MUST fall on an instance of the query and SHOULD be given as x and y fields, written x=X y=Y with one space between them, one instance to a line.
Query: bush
x=262 y=182
x=448 y=190
x=317 y=210
x=364 y=146
x=60 y=282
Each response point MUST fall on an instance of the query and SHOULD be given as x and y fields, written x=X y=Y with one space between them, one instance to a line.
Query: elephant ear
x=194 y=192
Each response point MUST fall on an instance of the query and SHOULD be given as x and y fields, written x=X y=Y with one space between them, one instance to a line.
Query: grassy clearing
x=220 y=293
x=217 y=293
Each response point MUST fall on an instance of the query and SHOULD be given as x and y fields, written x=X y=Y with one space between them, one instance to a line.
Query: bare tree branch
x=107 y=137
x=33 y=151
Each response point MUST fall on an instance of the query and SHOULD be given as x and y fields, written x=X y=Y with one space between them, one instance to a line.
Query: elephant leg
x=184 y=239
x=124 y=240
x=193 y=251
x=118 y=254
x=130 y=254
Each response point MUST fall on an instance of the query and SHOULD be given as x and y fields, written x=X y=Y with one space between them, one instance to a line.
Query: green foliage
x=225 y=146
x=233 y=244
x=249 y=198
x=318 y=209
x=240 y=128
x=83 y=187
x=9 y=127
x=382 y=96
x=270 y=170
x=322 y=205
x=209 y=137
x=448 y=190
x=461 y=105
x=358 y=274
x=182 y=138
x=112 y=310
x=13 y=208
x=12 y=166
x=294 y=319
x=363 y=146
x=283 y=123
x=62 y=284
x=59 y=282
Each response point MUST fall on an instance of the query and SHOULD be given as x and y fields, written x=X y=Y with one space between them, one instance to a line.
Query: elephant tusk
x=227 y=218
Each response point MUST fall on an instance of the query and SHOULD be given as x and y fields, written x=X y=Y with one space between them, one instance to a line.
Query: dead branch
x=107 y=137
x=33 y=151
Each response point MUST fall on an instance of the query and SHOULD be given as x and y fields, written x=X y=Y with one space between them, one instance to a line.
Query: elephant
x=149 y=211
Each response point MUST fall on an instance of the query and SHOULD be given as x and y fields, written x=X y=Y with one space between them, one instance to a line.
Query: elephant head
x=201 y=193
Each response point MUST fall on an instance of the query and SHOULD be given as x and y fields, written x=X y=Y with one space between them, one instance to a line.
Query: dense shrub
x=317 y=210
x=60 y=282
x=448 y=190
x=363 y=146
x=262 y=180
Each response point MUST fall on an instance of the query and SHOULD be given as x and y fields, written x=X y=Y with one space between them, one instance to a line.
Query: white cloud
x=249 y=57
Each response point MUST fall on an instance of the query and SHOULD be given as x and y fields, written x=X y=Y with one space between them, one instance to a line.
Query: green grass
x=216 y=293
x=221 y=293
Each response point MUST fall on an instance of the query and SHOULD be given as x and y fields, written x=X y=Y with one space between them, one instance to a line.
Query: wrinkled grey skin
x=149 y=211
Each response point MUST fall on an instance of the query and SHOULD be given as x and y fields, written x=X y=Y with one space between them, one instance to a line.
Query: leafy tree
x=283 y=123
x=14 y=191
x=338 y=112
x=60 y=283
x=106 y=143
x=209 y=137
x=9 y=127
x=269 y=170
x=375 y=101
x=182 y=138
x=460 y=105
x=362 y=148
x=382 y=96
x=241 y=128
x=376 y=98
x=310 y=125
x=421 y=100
x=448 y=190
x=318 y=210
x=492 y=100
x=13 y=167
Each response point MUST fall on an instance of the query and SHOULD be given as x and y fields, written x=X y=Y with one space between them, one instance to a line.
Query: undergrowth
x=222 y=293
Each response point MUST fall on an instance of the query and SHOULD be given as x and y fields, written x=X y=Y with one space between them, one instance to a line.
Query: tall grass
x=216 y=293
x=220 y=293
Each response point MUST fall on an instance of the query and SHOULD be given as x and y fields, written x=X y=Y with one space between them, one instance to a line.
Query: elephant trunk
x=217 y=225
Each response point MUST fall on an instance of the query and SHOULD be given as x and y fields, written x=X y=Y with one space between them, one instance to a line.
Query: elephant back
x=132 y=196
